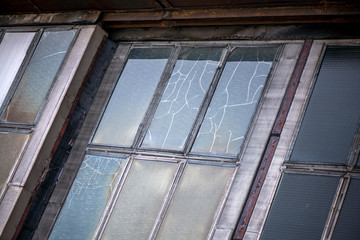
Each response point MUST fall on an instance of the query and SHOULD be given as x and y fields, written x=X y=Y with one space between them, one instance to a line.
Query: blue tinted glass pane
x=234 y=102
x=182 y=98
x=38 y=77
x=300 y=207
x=348 y=224
x=332 y=115
x=87 y=198
x=131 y=97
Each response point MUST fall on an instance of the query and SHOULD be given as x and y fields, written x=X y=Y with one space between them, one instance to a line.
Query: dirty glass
x=38 y=77
x=11 y=145
x=182 y=98
x=300 y=207
x=348 y=224
x=131 y=97
x=195 y=201
x=140 y=200
x=234 y=102
x=332 y=115
x=13 y=50
x=88 y=197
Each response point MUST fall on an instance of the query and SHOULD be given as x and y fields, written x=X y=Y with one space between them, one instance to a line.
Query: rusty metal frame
x=272 y=142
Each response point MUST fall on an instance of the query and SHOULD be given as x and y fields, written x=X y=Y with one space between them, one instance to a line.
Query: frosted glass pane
x=13 y=49
x=38 y=76
x=300 y=207
x=190 y=214
x=348 y=224
x=331 y=118
x=234 y=102
x=87 y=198
x=140 y=200
x=131 y=97
x=182 y=98
x=11 y=145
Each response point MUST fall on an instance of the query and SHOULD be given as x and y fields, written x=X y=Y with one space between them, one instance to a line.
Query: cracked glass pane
x=88 y=197
x=38 y=77
x=196 y=199
x=131 y=97
x=234 y=102
x=332 y=116
x=183 y=95
x=140 y=200
x=11 y=146
x=13 y=50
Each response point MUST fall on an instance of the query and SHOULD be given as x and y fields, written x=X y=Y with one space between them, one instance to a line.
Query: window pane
x=11 y=145
x=38 y=77
x=131 y=97
x=234 y=101
x=348 y=225
x=13 y=49
x=300 y=207
x=87 y=198
x=195 y=201
x=333 y=112
x=140 y=200
x=179 y=105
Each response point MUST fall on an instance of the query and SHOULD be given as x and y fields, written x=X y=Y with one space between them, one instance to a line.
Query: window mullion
x=112 y=200
x=206 y=102
x=336 y=207
x=156 y=98
x=167 y=200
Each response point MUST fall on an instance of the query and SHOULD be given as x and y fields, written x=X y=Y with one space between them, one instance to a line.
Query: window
x=41 y=71
x=29 y=63
x=164 y=139
x=317 y=182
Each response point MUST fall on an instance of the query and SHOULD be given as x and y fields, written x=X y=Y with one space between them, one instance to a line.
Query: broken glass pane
x=196 y=199
x=131 y=97
x=88 y=197
x=140 y=200
x=180 y=102
x=234 y=102
x=300 y=207
x=38 y=77
x=11 y=145
x=13 y=50
x=332 y=116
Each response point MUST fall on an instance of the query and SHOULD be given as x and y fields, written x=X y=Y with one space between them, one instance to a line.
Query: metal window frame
x=95 y=115
x=343 y=171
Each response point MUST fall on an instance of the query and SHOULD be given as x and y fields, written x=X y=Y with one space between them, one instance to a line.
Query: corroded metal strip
x=272 y=142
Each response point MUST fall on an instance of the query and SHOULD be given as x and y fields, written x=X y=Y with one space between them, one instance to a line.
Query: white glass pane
x=131 y=97
x=195 y=202
x=140 y=200
x=11 y=145
x=13 y=49
x=234 y=102
x=38 y=76
x=88 y=197
x=182 y=98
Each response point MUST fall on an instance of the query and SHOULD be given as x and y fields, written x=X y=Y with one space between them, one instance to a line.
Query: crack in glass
x=182 y=98
x=234 y=101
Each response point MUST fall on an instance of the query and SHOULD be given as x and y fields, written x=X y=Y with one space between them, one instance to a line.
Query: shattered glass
x=13 y=50
x=131 y=97
x=88 y=197
x=234 y=101
x=38 y=77
x=182 y=98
